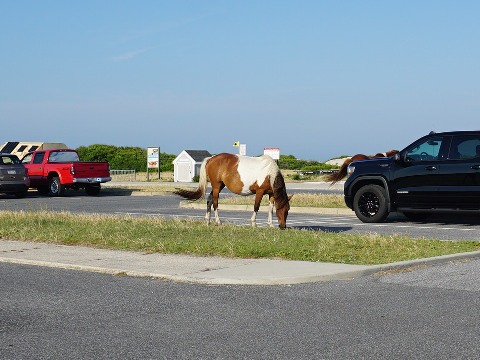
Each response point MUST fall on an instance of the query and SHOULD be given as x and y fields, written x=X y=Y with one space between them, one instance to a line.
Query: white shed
x=187 y=164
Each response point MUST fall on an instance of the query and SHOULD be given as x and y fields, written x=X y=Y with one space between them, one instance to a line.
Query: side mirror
x=397 y=157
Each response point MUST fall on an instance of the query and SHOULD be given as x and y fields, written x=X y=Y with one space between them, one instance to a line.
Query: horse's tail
x=199 y=193
x=340 y=174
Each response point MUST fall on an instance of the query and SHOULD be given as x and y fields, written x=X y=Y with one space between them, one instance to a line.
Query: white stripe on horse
x=255 y=170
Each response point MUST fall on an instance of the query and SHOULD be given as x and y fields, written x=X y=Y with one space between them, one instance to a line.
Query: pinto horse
x=335 y=177
x=242 y=175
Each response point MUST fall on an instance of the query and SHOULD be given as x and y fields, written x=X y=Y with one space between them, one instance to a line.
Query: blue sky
x=315 y=78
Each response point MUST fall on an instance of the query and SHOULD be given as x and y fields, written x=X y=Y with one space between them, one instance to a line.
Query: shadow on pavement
x=333 y=229
x=440 y=219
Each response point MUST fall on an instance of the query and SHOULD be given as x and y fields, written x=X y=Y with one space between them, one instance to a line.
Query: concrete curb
x=200 y=270
x=250 y=274
x=412 y=264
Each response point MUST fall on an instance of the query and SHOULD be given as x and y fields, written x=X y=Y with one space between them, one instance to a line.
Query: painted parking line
x=341 y=222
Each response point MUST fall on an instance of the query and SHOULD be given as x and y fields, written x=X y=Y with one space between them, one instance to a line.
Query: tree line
x=135 y=158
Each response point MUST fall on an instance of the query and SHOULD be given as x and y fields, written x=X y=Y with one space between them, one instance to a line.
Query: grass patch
x=300 y=200
x=158 y=235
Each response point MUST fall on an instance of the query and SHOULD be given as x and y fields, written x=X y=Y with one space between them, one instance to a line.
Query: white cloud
x=129 y=55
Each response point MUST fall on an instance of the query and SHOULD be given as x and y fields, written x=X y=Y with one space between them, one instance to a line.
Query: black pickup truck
x=439 y=172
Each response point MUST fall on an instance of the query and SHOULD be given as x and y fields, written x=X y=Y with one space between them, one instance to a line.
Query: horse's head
x=282 y=212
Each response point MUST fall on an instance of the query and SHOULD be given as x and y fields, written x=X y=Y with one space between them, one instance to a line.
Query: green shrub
x=135 y=158
x=290 y=162
x=123 y=157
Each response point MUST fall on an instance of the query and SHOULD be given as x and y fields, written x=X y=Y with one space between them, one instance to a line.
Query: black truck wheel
x=370 y=204
x=55 y=188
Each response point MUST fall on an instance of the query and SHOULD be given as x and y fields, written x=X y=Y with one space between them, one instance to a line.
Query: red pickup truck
x=53 y=171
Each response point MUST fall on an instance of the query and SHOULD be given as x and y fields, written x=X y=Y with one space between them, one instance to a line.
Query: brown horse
x=335 y=177
x=242 y=175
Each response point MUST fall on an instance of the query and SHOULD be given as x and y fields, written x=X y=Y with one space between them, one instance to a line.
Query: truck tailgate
x=91 y=169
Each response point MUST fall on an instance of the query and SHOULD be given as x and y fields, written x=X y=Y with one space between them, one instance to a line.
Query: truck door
x=35 y=167
x=417 y=175
x=461 y=173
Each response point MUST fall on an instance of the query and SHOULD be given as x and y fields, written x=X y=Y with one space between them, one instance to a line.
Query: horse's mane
x=279 y=191
x=277 y=182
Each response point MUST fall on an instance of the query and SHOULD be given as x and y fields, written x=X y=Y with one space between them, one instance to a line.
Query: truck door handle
x=430 y=168
x=476 y=167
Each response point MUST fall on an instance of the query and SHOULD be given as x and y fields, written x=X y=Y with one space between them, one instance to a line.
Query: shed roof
x=198 y=155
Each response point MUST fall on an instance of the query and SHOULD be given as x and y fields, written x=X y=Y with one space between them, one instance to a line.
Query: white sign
x=153 y=158
x=243 y=149
x=274 y=153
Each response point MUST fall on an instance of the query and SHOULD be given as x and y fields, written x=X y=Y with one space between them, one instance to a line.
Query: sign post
x=242 y=148
x=237 y=144
x=274 y=153
x=153 y=160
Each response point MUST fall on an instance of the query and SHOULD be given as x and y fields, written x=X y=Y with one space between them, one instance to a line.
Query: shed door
x=184 y=174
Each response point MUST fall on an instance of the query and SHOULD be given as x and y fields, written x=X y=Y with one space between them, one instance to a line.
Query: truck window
x=63 y=156
x=38 y=159
x=26 y=159
x=465 y=147
x=6 y=160
x=425 y=151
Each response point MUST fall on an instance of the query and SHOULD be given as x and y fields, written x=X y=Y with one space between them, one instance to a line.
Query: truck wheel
x=55 y=187
x=370 y=204
x=92 y=190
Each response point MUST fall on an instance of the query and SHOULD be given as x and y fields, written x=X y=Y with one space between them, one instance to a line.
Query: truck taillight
x=72 y=170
